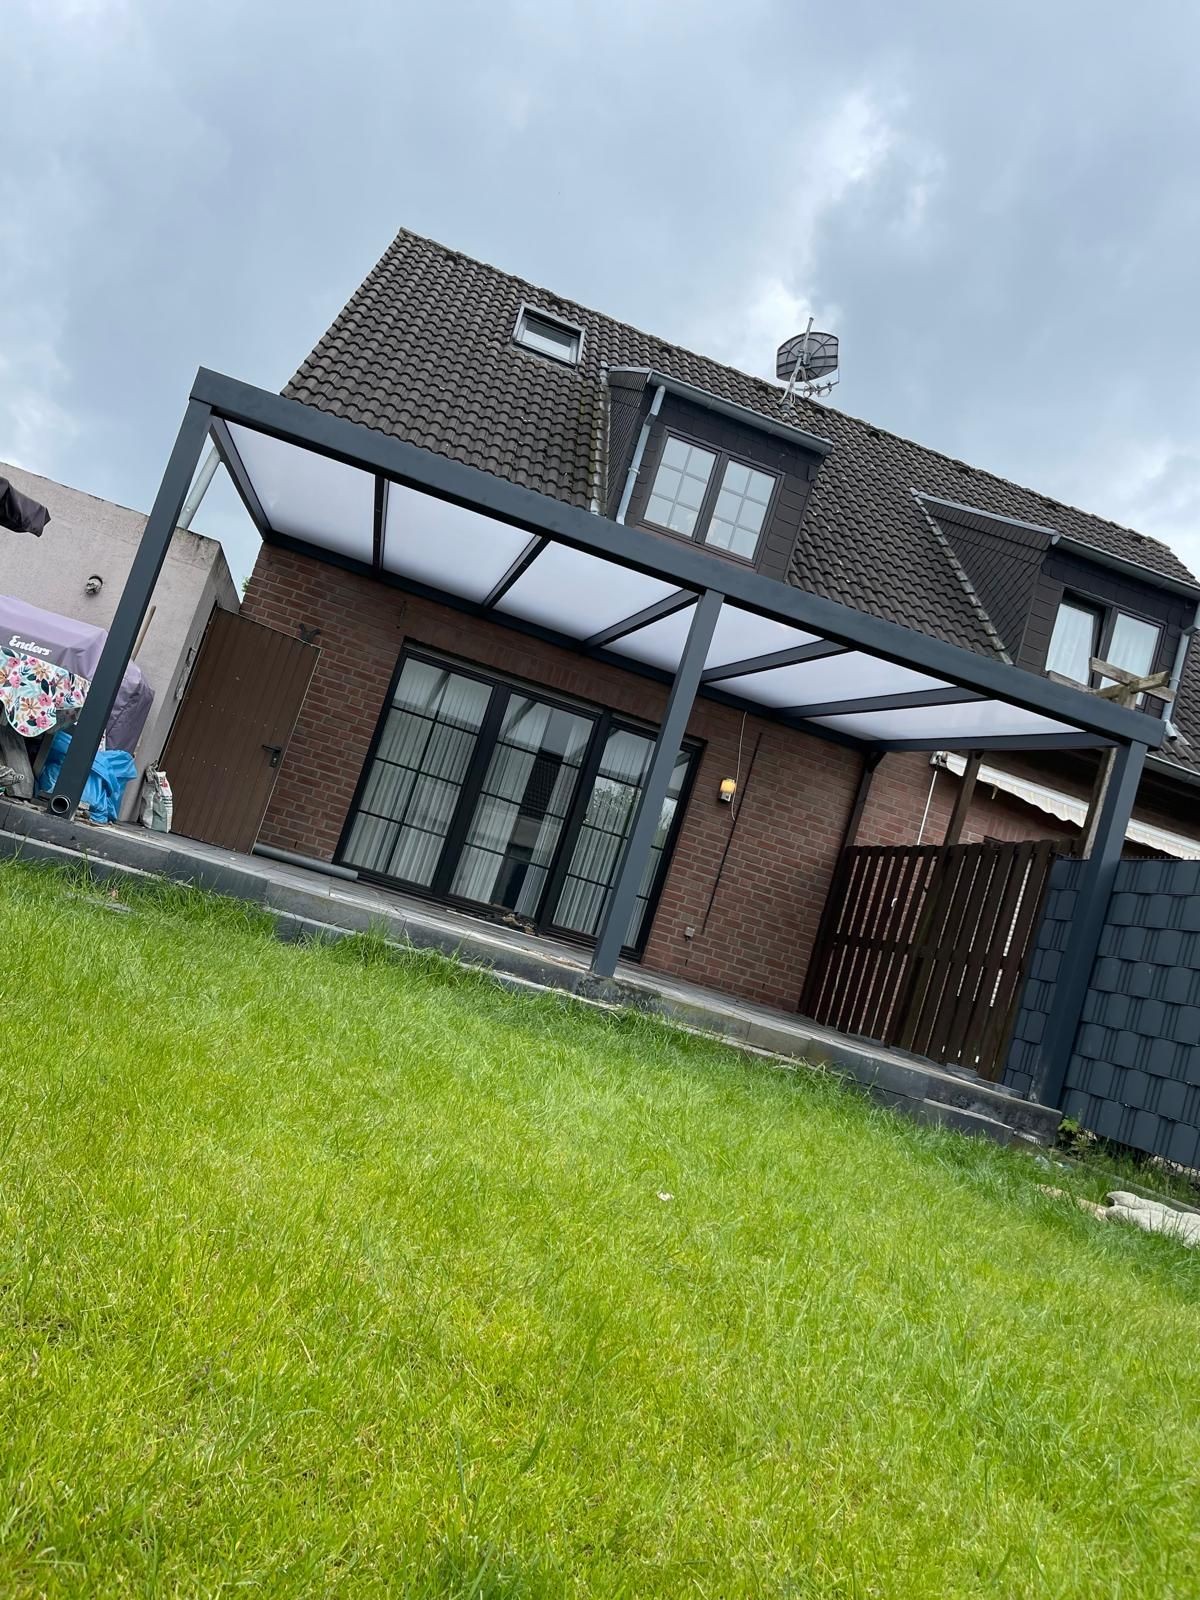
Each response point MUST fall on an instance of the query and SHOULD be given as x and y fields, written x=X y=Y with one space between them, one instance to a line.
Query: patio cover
x=351 y=495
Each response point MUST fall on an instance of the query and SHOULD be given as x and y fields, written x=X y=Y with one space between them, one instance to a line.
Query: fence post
x=1087 y=923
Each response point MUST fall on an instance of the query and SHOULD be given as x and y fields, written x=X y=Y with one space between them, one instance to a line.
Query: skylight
x=548 y=335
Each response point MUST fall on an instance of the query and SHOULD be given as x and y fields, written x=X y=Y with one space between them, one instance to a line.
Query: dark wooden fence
x=925 y=946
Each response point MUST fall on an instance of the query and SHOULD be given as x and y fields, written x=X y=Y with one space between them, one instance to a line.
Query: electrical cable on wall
x=735 y=813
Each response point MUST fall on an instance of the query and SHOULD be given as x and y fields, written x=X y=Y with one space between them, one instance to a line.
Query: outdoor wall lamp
x=727 y=791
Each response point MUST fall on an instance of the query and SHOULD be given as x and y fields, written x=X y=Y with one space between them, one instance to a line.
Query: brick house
x=495 y=372
x=399 y=763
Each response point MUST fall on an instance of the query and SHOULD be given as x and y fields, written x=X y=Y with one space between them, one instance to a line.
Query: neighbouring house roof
x=424 y=351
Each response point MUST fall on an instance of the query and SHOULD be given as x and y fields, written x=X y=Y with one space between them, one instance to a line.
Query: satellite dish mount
x=809 y=363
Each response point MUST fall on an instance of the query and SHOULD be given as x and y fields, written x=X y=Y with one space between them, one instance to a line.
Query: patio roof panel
x=307 y=496
x=532 y=562
x=448 y=546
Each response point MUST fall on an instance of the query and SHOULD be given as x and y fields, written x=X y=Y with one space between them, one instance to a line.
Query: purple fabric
x=60 y=640
x=77 y=646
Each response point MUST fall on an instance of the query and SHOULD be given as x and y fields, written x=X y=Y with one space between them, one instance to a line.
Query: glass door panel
x=523 y=805
x=416 y=775
x=606 y=825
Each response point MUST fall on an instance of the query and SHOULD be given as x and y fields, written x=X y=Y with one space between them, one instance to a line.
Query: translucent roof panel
x=446 y=545
x=579 y=594
x=308 y=496
x=738 y=635
x=851 y=676
x=984 y=719
x=659 y=644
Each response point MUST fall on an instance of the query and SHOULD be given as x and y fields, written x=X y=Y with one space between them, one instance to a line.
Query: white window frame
x=527 y=310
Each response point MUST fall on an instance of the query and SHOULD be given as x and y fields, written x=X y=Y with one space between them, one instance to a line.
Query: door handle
x=275 y=751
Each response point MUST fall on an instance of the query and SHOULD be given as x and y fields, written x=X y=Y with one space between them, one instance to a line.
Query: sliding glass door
x=523 y=806
x=415 y=780
x=486 y=794
x=599 y=844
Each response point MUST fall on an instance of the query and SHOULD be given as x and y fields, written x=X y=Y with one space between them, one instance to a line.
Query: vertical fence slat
x=924 y=946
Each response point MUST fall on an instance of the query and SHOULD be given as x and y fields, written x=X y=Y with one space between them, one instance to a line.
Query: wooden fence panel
x=924 y=946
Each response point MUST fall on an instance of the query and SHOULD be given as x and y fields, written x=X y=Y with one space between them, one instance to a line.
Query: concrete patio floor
x=307 y=903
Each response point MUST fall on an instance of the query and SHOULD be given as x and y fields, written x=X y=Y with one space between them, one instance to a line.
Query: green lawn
x=324 y=1274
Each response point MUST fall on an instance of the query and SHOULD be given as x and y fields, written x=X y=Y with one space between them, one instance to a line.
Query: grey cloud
x=996 y=204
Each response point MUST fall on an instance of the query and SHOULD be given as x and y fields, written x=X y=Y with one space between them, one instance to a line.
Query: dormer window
x=549 y=336
x=709 y=496
x=1082 y=632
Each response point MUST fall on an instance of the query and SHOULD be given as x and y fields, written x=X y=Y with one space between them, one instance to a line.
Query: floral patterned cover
x=34 y=694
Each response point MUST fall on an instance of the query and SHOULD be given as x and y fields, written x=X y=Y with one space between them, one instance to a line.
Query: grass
x=326 y=1274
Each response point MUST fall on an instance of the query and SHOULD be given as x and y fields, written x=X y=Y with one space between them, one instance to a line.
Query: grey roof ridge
x=969 y=589
x=772 y=390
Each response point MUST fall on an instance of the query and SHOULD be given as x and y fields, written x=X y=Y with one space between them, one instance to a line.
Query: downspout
x=208 y=471
x=639 y=451
x=1181 y=650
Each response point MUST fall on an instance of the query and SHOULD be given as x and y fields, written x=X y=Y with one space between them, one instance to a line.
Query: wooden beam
x=962 y=800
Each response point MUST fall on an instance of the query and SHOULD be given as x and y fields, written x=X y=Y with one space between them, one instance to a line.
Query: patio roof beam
x=232 y=462
x=673 y=561
x=903 y=700
x=817 y=650
x=641 y=619
x=521 y=565
x=378 y=524
x=1070 y=740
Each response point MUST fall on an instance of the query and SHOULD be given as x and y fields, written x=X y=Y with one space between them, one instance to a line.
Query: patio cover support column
x=131 y=608
x=1087 y=922
x=615 y=922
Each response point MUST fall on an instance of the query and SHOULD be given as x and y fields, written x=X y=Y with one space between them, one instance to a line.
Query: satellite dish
x=807 y=362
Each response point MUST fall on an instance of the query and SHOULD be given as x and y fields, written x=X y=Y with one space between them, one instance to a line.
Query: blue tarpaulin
x=111 y=771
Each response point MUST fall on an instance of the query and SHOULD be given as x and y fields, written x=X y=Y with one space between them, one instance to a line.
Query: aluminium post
x=614 y=924
x=131 y=608
x=1076 y=961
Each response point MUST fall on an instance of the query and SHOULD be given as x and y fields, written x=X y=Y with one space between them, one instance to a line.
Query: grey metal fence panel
x=1134 y=1072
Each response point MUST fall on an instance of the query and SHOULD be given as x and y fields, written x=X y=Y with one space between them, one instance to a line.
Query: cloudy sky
x=995 y=205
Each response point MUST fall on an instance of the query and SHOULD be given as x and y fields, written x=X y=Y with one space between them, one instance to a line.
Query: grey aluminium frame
x=680 y=562
x=217 y=400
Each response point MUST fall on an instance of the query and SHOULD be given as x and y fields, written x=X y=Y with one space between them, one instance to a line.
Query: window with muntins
x=680 y=486
x=741 y=507
x=709 y=496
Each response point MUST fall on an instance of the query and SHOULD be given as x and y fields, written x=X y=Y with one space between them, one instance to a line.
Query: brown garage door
x=233 y=727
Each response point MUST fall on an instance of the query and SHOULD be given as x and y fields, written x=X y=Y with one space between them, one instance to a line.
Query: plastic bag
x=157 y=804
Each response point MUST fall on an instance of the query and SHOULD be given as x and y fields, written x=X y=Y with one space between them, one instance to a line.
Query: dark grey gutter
x=1130 y=569
x=728 y=408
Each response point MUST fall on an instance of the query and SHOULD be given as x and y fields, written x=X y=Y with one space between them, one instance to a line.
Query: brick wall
x=901 y=786
x=1134 y=1072
x=897 y=803
x=795 y=796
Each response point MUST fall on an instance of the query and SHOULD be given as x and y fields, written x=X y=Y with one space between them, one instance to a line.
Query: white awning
x=1068 y=809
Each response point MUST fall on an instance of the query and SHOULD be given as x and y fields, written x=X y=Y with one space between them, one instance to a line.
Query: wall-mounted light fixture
x=728 y=790
x=94 y=584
